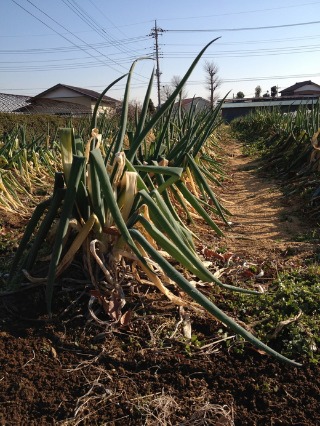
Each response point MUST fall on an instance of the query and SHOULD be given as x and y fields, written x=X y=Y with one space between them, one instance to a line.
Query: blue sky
x=90 y=43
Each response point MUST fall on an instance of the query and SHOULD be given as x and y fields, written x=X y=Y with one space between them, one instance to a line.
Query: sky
x=90 y=43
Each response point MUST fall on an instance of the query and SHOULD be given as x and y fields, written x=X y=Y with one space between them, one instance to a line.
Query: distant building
x=197 y=102
x=304 y=88
x=304 y=93
x=78 y=95
x=60 y=99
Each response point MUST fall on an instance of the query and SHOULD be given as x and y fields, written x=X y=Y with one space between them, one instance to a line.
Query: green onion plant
x=117 y=202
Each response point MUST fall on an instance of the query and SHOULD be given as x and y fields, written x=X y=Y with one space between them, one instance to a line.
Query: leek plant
x=119 y=207
x=289 y=143
x=288 y=138
x=25 y=168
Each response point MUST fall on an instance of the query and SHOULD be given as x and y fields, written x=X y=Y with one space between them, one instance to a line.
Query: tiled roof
x=9 y=102
x=298 y=85
x=28 y=105
x=86 y=92
x=194 y=100
x=51 y=106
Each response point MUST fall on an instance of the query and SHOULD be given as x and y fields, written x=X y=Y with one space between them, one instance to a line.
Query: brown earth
x=265 y=221
x=73 y=371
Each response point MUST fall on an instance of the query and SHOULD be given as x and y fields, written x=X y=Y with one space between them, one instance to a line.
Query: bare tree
x=175 y=81
x=212 y=80
x=168 y=89
x=166 y=92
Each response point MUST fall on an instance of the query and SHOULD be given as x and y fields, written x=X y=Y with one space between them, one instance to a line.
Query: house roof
x=86 y=92
x=51 y=106
x=10 y=102
x=194 y=100
x=298 y=85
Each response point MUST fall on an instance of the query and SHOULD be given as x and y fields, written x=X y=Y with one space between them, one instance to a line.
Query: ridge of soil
x=71 y=371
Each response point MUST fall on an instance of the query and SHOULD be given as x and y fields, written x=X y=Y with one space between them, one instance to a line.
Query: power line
x=181 y=55
x=66 y=49
x=36 y=90
x=254 y=79
x=70 y=32
x=57 y=65
x=269 y=40
x=195 y=82
x=66 y=38
x=246 y=53
x=65 y=60
x=273 y=77
x=106 y=17
x=267 y=27
x=92 y=23
x=243 y=12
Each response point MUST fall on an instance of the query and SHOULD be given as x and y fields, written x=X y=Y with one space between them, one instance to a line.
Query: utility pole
x=155 y=34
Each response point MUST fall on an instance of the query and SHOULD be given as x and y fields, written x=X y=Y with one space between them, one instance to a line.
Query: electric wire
x=265 y=27
x=92 y=23
x=82 y=41
x=243 y=12
x=66 y=38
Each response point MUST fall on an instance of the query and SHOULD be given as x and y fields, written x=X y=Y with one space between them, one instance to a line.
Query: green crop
x=117 y=203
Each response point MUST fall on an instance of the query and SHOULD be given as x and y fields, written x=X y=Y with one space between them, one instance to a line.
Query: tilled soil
x=73 y=371
x=265 y=221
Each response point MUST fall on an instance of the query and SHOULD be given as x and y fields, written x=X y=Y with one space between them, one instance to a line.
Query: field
x=161 y=269
x=71 y=370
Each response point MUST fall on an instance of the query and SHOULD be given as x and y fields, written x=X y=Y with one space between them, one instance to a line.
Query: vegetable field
x=153 y=274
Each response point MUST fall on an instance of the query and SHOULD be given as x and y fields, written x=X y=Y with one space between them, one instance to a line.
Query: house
x=19 y=104
x=305 y=93
x=60 y=99
x=232 y=109
x=78 y=95
x=304 y=88
x=197 y=102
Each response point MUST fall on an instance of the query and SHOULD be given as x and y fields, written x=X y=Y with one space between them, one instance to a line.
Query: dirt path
x=264 y=222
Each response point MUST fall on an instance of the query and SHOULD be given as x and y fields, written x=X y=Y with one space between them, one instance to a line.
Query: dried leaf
x=227 y=256
x=211 y=253
x=248 y=274
x=126 y=318
x=54 y=352
x=186 y=323
x=283 y=323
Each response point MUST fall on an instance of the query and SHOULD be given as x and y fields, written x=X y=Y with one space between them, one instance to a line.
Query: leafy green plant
x=288 y=315
x=118 y=206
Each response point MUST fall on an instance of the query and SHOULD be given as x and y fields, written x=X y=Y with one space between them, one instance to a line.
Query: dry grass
x=163 y=410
